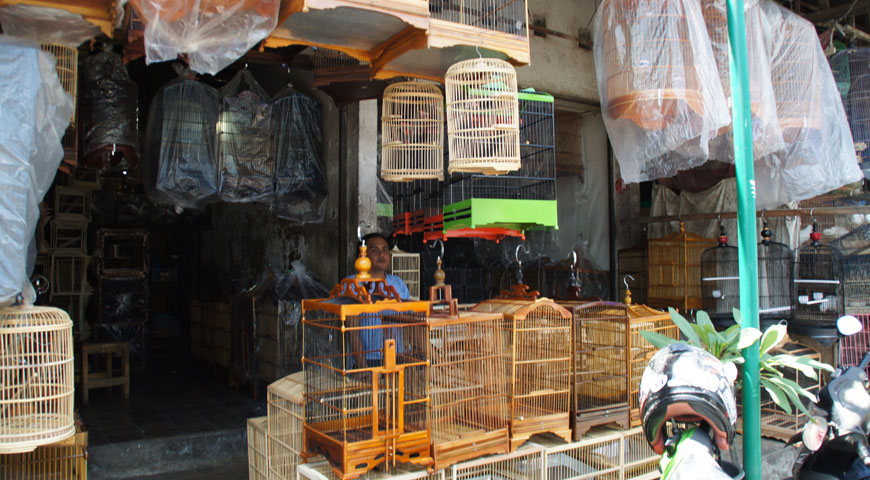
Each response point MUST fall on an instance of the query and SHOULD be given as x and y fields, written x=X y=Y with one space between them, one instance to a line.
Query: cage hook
x=625 y=280
x=517 y=252
x=477 y=47
x=573 y=256
x=812 y=218
x=359 y=228
x=436 y=242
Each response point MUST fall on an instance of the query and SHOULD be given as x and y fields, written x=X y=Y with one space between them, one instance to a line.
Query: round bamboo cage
x=412 y=132
x=795 y=87
x=36 y=378
x=651 y=80
x=482 y=117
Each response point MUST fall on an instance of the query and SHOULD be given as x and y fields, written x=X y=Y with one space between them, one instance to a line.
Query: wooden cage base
x=584 y=420
x=558 y=424
x=350 y=460
x=470 y=446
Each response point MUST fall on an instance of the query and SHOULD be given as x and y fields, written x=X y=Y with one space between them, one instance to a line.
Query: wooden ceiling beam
x=835 y=13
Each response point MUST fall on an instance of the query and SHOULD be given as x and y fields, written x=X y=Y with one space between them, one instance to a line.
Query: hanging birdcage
x=333 y=66
x=775 y=279
x=856 y=270
x=36 y=378
x=818 y=287
x=600 y=365
x=482 y=117
x=720 y=282
x=366 y=371
x=468 y=386
x=182 y=143
x=244 y=132
x=851 y=69
x=674 y=269
x=413 y=202
x=516 y=200
x=539 y=363
x=412 y=132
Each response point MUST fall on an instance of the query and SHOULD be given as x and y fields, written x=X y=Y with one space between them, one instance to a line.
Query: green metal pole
x=746 y=234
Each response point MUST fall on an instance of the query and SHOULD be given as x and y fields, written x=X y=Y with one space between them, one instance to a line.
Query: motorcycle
x=834 y=439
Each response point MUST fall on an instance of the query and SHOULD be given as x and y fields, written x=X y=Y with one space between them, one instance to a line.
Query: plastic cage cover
x=766 y=134
x=34 y=113
x=212 y=33
x=181 y=144
x=109 y=102
x=819 y=155
x=852 y=73
x=244 y=131
x=46 y=25
x=660 y=92
x=300 y=188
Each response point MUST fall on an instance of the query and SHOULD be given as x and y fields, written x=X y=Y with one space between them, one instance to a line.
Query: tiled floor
x=236 y=471
x=171 y=398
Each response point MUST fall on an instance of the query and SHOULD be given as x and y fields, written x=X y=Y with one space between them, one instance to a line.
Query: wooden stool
x=105 y=378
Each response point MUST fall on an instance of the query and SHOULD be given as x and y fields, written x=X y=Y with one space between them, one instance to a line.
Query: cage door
x=388 y=402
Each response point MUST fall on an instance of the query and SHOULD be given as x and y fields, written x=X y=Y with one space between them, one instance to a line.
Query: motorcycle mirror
x=814 y=433
x=849 y=325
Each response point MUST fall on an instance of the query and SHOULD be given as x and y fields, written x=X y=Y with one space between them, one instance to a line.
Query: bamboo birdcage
x=791 y=68
x=851 y=69
x=526 y=463
x=468 y=386
x=63 y=460
x=674 y=269
x=539 y=363
x=285 y=418
x=36 y=378
x=818 y=285
x=366 y=375
x=333 y=66
x=641 y=82
x=600 y=369
x=640 y=351
x=482 y=117
x=412 y=132
x=407 y=267
x=67 y=67
x=857 y=284
x=505 y=16
x=258 y=456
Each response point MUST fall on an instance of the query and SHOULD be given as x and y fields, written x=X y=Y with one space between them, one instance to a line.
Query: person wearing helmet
x=687 y=384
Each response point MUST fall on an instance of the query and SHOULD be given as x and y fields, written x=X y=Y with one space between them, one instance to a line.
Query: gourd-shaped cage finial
x=482 y=117
x=36 y=378
x=412 y=132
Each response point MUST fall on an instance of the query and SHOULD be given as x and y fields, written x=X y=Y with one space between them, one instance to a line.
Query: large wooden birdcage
x=674 y=270
x=640 y=351
x=482 y=117
x=600 y=365
x=412 y=132
x=539 y=365
x=468 y=386
x=366 y=374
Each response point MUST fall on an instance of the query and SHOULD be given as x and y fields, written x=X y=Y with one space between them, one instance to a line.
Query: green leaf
x=748 y=336
x=686 y=328
x=790 y=392
x=772 y=337
x=776 y=394
x=800 y=390
x=814 y=364
x=657 y=339
x=738 y=318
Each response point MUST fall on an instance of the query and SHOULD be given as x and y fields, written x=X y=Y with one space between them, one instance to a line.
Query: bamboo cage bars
x=539 y=364
x=640 y=351
x=600 y=369
x=366 y=376
x=468 y=387
x=36 y=378
x=412 y=132
x=285 y=416
x=674 y=269
x=482 y=117
x=63 y=460
x=258 y=455
x=407 y=267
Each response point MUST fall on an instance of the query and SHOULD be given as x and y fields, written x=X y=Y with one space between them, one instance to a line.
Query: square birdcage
x=596 y=456
x=600 y=369
x=284 y=424
x=123 y=252
x=539 y=364
x=856 y=270
x=674 y=269
x=640 y=351
x=407 y=267
x=505 y=16
x=515 y=200
x=366 y=373
x=244 y=133
x=71 y=203
x=639 y=461
x=413 y=203
x=526 y=463
x=258 y=456
x=818 y=286
x=468 y=386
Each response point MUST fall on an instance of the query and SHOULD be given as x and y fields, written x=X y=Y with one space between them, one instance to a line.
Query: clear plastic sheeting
x=819 y=154
x=181 y=144
x=851 y=70
x=300 y=188
x=766 y=134
x=247 y=165
x=34 y=113
x=211 y=33
x=109 y=103
x=46 y=25
x=659 y=87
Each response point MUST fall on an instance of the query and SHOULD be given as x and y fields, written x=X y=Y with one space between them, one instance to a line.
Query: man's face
x=379 y=252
